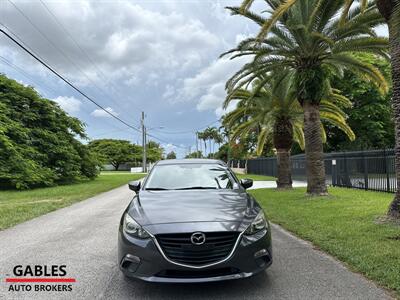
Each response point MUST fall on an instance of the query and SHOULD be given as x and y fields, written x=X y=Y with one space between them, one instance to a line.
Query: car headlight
x=259 y=223
x=133 y=228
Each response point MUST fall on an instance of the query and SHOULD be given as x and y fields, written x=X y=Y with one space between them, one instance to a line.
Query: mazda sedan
x=192 y=220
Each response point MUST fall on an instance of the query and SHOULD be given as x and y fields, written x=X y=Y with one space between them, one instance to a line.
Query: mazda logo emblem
x=198 y=238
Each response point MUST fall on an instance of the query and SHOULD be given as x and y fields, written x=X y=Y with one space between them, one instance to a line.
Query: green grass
x=344 y=225
x=119 y=173
x=20 y=206
x=256 y=177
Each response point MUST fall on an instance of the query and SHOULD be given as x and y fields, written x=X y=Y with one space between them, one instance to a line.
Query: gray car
x=192 y=220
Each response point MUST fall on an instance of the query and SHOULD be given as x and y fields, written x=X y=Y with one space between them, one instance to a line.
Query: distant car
x=192 y=221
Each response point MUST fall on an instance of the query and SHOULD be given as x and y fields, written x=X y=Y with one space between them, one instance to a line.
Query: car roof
x=190 y=161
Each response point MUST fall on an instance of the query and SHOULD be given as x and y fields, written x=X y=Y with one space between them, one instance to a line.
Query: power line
x=45 y=87
x=25 y=74
x=20 y=40
x=60 y=51
x=67 y=82
x=59 y=23
x=164 y=141
x=107 y=133
x=78 y=90
x=187 y=131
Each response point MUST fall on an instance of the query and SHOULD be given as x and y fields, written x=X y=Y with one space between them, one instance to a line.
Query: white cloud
x=213 y=97
x=145 y=49
x=220 y=111
x=240 y=37
x=169 y=147
x=136 y=40
x=208 y=86
x=99 y=113
x=69 y=104
x=169 y=91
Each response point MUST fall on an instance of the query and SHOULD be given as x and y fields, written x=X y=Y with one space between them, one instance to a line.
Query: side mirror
x=246 y=183
x=134 y=186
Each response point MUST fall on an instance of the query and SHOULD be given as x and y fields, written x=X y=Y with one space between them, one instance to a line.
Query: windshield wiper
x=156 y=189
x=198 y=188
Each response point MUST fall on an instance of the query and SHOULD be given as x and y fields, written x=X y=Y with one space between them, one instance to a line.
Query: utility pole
x=144 y=160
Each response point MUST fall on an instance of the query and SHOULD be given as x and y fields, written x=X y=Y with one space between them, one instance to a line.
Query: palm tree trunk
x=284 y=180
x=315 y=166
x=283 y=141
x=394 y=37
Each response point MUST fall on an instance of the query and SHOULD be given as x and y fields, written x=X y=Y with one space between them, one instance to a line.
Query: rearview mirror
x=134 y=186
x=246 y=183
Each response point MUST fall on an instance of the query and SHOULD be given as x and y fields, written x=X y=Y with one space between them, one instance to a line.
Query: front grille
x=179 y=248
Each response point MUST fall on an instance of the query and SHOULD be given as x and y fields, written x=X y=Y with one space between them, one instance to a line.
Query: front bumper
x=142 y=259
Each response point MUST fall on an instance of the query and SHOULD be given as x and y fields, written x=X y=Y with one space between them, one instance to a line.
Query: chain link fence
x=369 y=170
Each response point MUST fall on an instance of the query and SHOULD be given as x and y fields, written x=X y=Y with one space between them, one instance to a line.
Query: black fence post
x=365 y=167
x=346 y=176
x=386 y=170
x=334 y=173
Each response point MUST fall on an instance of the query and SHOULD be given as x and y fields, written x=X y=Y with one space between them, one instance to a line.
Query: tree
x=154 y=151
x=115 y=152
x=211 y=134
x=38 y=140
x=171 y=155
x=370 y=116
x=203 y=135
x=308 y=40
x=390 y=10
x=276 y=113
x=196 y=154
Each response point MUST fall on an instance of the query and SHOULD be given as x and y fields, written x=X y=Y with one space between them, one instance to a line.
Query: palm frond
x=298 y=135
x=277 y=13
x=262 y=138
x=362 y=69
x=246 y=5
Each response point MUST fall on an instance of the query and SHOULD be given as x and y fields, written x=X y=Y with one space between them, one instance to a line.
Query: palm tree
x=275 y=110
x=209 y=133
x=215 y=137
x=304 y=37
x=390 y=10
x=218 y=138
x=202 y=135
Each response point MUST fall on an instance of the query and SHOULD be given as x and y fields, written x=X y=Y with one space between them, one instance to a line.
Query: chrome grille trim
x=197 y=266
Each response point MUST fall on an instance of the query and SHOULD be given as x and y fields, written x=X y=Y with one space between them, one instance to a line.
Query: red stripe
x=50 y=279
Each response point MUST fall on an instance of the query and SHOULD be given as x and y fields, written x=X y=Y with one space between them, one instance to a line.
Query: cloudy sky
x=160 y=57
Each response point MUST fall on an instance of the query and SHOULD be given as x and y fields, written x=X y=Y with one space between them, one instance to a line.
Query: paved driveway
x=84 y=237
x=272 y=184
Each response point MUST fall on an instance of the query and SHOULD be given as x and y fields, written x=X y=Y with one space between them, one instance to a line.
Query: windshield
x=189 y=176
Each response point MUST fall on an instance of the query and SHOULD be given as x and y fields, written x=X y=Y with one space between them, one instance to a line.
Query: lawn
x=256 y=177
x=19 y=206
x=345 y=225
x=120 y=173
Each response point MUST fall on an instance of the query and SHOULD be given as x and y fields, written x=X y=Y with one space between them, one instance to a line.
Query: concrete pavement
x=84 y=238
x=272 y=184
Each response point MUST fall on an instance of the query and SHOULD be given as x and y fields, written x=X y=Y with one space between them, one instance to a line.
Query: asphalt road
x=84 y=237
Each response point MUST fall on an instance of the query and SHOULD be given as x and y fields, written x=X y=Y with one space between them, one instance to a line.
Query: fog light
x=130 y=263
x=262 y=257
x=260 y=253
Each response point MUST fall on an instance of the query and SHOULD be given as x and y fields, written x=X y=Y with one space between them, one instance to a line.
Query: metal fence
x=369 y=170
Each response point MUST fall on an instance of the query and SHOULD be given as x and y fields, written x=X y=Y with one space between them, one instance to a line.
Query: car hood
x=221 y=209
